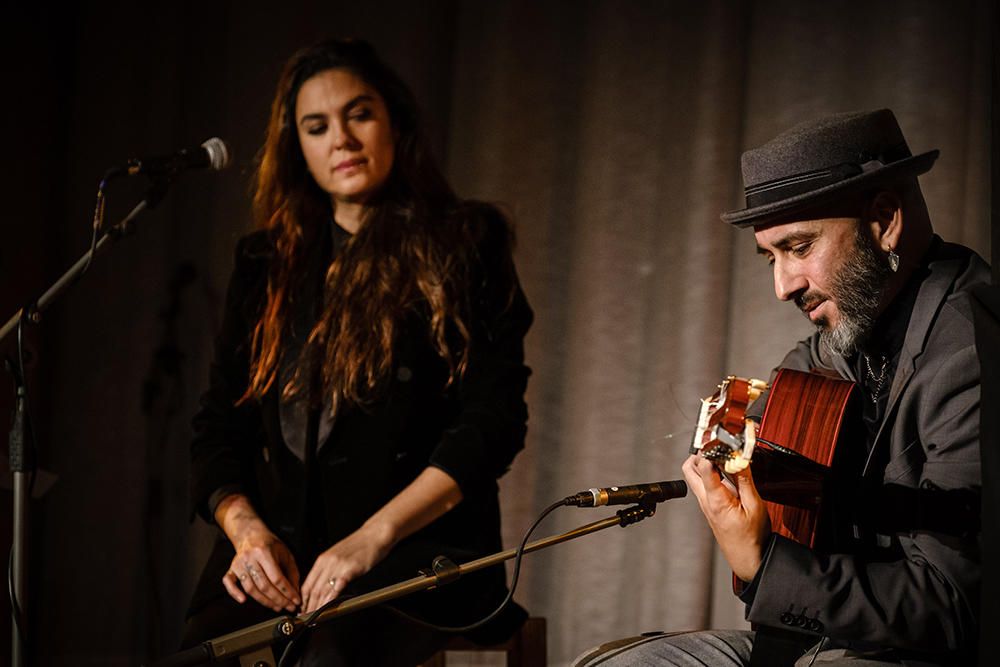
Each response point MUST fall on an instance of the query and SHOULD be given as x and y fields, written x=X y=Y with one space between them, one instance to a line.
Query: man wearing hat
x=837 y=212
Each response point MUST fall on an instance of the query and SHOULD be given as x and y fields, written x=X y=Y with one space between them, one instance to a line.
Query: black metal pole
x=33 y=312
x=21 y=467
x=21 y=462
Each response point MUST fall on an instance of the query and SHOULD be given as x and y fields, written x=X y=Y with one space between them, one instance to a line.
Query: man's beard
x=857 y=290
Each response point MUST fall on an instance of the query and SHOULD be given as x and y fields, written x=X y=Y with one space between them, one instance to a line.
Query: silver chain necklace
x=879 y=379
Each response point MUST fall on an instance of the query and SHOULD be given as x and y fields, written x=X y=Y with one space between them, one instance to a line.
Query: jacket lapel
x=929 y=301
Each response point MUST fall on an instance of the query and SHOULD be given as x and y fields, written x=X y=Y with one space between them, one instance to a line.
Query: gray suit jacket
x=927 y=599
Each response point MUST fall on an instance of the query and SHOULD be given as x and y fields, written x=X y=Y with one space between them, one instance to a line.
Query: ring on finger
x=332 y=581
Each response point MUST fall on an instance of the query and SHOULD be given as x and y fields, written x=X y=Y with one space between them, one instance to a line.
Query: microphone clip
x=636 y=513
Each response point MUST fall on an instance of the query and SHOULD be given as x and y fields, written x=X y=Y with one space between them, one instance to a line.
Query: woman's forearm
x=432 y=494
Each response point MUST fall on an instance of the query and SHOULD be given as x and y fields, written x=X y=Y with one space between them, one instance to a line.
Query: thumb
x=752 y=503
x=747 y=489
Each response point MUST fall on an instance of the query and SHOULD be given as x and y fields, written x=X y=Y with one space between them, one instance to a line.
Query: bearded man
x=838 y=214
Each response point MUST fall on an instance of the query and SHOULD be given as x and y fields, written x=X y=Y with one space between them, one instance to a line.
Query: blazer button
x=801 y=621
x=814 y=625
x=404 y=374
x=787 y=618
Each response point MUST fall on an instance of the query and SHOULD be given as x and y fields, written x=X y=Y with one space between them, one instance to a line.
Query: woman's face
x=346 y=135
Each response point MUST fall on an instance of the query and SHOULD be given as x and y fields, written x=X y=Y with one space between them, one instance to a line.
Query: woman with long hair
x=368 y=381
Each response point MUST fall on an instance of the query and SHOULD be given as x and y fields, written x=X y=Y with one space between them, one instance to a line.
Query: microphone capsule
x=218 y=153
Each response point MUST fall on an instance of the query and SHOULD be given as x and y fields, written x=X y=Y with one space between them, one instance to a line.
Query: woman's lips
x=349 y=164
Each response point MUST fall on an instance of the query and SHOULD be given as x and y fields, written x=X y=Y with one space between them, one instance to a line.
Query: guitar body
x=797 y=464
x=804 y=414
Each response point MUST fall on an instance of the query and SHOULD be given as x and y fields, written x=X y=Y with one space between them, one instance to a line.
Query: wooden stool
x=525 y=649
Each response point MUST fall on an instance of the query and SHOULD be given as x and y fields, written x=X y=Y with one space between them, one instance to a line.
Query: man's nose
x=788 y=282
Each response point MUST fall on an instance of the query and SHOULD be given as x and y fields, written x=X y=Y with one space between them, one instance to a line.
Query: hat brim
x=916 y=164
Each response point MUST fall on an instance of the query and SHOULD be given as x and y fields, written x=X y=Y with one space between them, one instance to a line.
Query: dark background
x=120 y=358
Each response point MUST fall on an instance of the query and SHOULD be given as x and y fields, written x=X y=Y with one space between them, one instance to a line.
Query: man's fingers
x=702 y=477
x=716 y=494
x=693 y=478
x=750 y=498
x=744 y=480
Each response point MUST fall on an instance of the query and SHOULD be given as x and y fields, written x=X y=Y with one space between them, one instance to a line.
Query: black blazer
x=472 y=430
x=925 y=600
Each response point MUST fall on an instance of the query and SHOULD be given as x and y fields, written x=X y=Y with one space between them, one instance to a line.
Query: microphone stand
x=252 y=645
x=33 y=311
x=22 y=463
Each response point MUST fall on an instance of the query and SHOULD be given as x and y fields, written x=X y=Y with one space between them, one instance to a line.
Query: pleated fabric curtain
x=612 y=132
x=609 y=130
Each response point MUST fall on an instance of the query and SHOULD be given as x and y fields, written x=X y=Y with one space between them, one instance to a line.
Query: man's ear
x=884 y=216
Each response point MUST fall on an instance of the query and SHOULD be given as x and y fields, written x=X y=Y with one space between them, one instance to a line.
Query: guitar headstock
x=724 y=434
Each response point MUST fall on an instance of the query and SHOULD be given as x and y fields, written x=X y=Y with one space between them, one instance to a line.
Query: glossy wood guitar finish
x=804 y=414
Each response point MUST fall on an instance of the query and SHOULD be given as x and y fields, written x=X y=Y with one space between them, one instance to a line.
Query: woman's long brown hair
x=413 y=249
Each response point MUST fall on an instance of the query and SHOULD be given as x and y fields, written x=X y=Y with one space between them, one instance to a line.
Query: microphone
x=213 y=154
x=625 y=495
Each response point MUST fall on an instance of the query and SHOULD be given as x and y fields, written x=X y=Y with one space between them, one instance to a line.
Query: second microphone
x=656 y=492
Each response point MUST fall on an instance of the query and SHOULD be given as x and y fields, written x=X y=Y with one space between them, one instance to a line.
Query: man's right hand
x=263 y=567
x=738 y=517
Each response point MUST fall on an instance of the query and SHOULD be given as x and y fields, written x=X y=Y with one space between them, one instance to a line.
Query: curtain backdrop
x=614 y=133
x=610 y=132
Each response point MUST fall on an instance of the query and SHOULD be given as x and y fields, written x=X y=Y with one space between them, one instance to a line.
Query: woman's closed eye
x=360 y=113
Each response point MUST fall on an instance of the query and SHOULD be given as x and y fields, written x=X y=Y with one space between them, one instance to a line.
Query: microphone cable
x=310 y=622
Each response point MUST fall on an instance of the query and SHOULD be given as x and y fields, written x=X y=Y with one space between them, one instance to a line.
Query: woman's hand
x=346 y=560
x=263 y=567
x=738 y=518
x=426 y=498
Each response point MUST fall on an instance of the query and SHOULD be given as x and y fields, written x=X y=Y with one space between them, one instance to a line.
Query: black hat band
x=797 y=184
x=783 y=188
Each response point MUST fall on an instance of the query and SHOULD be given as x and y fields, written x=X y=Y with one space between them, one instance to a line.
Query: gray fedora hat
x=822 y=160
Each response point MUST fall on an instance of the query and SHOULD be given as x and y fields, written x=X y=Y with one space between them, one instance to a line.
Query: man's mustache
x=808 y=300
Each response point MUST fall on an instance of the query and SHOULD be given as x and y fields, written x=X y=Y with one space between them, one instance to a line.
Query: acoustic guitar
x=792 y=450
